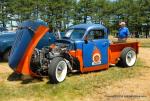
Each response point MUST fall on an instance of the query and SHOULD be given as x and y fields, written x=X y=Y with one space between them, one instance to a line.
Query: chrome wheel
x=61 y=71
x=131 y=58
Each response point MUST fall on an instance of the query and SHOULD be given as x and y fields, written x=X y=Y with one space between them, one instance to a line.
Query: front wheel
x=57 y=70
x=128 y=57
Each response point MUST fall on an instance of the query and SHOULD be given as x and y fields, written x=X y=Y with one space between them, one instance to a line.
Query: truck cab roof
x=90 y=26
x=82 y=30
x=87 y=26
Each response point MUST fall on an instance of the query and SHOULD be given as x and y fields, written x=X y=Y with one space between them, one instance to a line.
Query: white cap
x=122 y=23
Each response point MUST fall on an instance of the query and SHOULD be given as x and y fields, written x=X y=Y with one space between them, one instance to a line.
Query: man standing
x=123 y=32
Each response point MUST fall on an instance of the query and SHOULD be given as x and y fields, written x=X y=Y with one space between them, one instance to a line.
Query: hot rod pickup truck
x=84 y=48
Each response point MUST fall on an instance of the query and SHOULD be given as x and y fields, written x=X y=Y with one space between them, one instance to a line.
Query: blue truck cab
x=88 y=37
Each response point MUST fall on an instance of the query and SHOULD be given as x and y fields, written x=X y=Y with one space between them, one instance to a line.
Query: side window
x=95 y=34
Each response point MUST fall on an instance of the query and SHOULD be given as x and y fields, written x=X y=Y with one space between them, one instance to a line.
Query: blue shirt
x=123 y=32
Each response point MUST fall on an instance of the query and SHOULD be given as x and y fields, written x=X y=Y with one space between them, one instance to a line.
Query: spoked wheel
x=35 y=61
x=57 y=70
x=128 y=57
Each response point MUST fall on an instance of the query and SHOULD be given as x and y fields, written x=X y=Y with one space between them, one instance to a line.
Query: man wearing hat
x=123 y=32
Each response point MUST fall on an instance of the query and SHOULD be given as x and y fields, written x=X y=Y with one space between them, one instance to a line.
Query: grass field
x=143 y=41
x=75 y=88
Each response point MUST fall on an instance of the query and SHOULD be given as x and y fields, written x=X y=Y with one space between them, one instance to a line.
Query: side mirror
x=86 y=40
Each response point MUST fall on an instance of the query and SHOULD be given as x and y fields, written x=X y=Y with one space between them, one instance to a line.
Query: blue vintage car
x=7 y=39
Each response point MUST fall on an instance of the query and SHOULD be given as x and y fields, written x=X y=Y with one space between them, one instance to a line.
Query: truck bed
x=116 y=49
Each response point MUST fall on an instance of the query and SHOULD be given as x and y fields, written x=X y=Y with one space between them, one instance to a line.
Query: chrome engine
x=42 y=58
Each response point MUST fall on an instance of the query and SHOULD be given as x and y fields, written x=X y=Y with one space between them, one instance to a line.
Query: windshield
x=75 y=34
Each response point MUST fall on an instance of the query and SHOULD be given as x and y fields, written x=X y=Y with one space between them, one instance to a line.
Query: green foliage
x=60 y=13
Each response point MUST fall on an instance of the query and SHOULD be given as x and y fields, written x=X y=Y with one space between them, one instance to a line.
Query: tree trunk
x=85 y=19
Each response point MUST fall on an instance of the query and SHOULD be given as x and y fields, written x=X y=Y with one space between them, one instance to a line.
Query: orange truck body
x=115 y=50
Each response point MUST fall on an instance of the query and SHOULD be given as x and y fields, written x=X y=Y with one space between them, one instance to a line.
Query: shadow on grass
x=14 y=77
x=25 y=79
x=32 y=80
x=79 y=73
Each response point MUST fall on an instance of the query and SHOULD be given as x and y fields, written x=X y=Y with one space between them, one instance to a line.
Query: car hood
x=67 y=41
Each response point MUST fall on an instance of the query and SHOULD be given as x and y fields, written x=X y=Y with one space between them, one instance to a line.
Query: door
x=95 y=51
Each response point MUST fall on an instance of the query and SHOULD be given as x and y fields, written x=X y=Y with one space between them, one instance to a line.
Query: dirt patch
x=1 y=79
x=144 y=55
x=4 y=68
x=135 y=89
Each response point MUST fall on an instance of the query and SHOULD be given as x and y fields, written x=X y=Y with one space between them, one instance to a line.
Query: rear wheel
x=128 y=57
x=57 y=70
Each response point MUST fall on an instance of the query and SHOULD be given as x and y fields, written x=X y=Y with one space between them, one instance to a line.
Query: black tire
x=58 y=64
x=6 y=55
x=128 y=57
